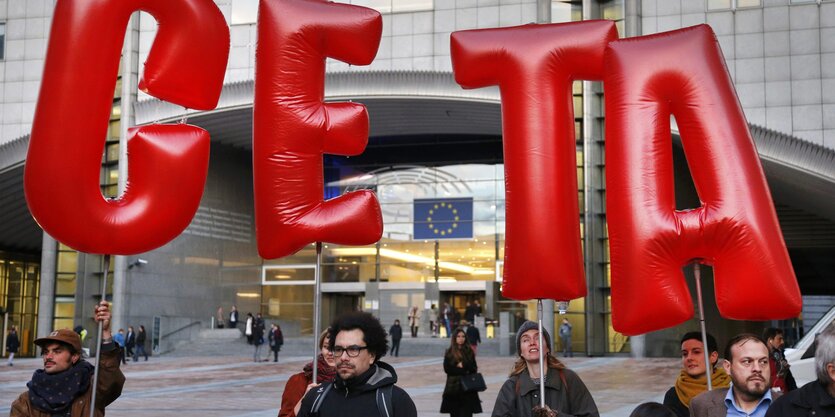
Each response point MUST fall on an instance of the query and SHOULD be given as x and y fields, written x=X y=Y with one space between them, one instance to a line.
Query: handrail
x=180 y=329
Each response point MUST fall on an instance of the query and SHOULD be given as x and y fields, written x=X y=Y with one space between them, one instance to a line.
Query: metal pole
x=697 y=270
x=317 y=313
x=99 y=337
x=5 y=328
x=541 y=356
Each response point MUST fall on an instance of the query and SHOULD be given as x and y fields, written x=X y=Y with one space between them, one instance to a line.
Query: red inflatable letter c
x=167 y=164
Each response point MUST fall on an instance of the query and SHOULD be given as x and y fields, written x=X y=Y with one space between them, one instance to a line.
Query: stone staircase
x=232 y=342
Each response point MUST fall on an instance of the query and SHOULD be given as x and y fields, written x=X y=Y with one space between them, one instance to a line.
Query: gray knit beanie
x=528 y=325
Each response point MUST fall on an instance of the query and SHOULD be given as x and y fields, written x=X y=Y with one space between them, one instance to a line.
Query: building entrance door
x=334 y=304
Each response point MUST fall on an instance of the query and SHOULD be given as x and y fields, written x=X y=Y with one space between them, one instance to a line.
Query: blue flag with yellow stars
x=443 y=218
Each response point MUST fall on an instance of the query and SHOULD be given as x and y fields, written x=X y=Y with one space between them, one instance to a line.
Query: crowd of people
x=751 y=378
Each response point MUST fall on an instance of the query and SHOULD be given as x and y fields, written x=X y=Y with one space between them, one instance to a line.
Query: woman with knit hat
x=298 y=384
x=565 y=393
x=692 y=381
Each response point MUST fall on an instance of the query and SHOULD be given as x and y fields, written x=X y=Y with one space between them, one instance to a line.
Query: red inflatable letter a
x=682 y=73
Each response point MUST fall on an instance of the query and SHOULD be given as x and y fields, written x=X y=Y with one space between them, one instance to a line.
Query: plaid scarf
x=324 y=372
x=54 y=393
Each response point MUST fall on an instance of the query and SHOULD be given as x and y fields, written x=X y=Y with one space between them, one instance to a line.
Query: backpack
x=383 y=395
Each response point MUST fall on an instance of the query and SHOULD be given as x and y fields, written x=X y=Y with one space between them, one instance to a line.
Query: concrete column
x=548 y=320
x=543 y=11
x=46 y=298
x=632 y=18
x=130 y=76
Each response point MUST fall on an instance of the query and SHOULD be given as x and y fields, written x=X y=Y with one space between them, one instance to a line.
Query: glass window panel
x=748 y=3
x=65 y=309
x=68 y=261
x=561 y=12
x=718 y=4
x=65 y=284
x=293 y=305
x=244 y=12
x=114 y=132
x=2 y=41
x=112 y=151
x=289 y=274
x=578 y=106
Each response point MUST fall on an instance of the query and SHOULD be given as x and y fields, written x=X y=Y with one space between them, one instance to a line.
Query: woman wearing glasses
x=298 y=384
x=459 y=360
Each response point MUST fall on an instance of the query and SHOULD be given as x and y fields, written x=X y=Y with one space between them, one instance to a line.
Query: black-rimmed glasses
x=352 y=351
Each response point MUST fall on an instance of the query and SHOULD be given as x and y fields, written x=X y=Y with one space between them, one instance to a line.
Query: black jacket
x=12 y=342
x=357 y=397
x=473 y=335
x=673 y=403
x=396 y=332
x=811 y=399
x=455 y=400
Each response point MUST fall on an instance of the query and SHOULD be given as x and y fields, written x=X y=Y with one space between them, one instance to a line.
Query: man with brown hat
x=64 y=386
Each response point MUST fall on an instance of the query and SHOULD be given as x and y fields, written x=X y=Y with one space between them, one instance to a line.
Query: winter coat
x=454 y=399
x=396 y=332
x=473 y=335
x=520 y=394
x=276 y=339
x=811 y=399
x=357 y=397
x=140 y=338
x=12 y=342
x=293 y=391
x=258 y=332
x=111 y=381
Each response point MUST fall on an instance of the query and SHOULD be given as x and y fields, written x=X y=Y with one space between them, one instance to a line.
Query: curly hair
x=373 y=333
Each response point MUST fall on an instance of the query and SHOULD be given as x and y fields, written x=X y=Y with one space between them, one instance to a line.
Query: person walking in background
x=258 y=337
x=119 y=339
x=446 y=318
x=414 y=320
x=459 y=360
x=12 y=344
x=473 y=335
x=219 y=317
x=469 y=312
x=433 y=320
x=565 y=337
x=140 y=345
x=276 y=340
x=130 y=342
x=233 y=318
x=396 y=333
x=565 y=392
x=692 y=380
x=781 y=376
x=248 y=327
x=298 y=384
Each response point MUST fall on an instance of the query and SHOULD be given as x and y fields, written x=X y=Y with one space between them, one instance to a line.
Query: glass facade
x=19 y=290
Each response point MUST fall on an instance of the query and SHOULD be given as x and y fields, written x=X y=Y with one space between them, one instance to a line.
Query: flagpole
x=99 y=337
x=317 y=313
x=541 y=355
x=697 y=271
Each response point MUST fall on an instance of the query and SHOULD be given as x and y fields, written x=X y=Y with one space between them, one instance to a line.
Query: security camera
x=137 y=262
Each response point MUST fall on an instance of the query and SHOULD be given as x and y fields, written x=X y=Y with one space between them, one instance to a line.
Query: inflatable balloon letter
x=534 y=67
x=682 y=73
x=293 y=126
x=61 y=180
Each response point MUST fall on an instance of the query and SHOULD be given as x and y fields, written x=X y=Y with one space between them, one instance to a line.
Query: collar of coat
x=527 y=385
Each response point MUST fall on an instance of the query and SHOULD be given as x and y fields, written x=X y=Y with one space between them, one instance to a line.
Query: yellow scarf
x=688 y=387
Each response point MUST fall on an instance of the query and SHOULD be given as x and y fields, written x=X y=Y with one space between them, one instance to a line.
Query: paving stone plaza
x=235 y=386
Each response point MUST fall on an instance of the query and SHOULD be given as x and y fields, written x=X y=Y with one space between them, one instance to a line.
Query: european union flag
x=443 y=218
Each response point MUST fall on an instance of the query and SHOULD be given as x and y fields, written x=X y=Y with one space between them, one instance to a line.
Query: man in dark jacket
x=816 y=398
x=396 y=333
x=364 y=386
x=64 y=386
x=130 y=342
